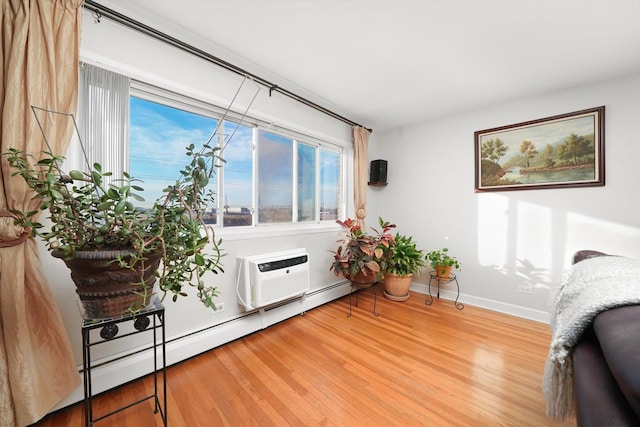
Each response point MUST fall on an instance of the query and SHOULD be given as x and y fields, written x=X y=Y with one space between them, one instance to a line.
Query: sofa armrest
x=617 y=333
x=599 y=401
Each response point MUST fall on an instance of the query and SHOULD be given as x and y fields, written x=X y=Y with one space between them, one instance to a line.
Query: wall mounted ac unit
x=272 y=277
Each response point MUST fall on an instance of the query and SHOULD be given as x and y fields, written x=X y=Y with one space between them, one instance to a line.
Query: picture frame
x=563 y=151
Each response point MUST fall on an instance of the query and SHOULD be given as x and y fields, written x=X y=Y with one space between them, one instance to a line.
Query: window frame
x=187 y=103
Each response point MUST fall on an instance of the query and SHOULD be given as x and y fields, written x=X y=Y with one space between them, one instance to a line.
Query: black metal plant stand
x=356 y=289
x=444 y=281
x=149 y=319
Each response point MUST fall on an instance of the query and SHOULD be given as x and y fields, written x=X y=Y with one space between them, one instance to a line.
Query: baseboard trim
x=501 y=307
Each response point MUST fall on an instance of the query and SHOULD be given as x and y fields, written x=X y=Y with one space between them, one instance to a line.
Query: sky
x=158 y=133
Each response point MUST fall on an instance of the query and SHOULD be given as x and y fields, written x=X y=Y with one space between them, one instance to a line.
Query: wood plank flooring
x=414 y=365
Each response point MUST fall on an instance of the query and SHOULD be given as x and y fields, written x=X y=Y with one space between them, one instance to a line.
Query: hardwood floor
x=414 y=365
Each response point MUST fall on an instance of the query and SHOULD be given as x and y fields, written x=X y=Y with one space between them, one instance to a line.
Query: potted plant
x=404 y=259
x=359 y=254
x=442 y=262
x=94 y=225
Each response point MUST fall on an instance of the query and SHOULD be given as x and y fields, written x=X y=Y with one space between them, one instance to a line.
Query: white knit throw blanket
x=586 y=289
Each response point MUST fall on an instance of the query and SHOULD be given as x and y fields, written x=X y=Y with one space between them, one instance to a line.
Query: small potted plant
x=359 y=254
x=403 y=260
x=98 y=225
x=442 y=262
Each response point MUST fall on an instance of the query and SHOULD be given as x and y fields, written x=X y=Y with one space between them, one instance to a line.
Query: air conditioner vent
x=283 y=263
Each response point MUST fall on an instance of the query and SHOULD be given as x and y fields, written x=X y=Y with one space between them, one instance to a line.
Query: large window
x=267 y=177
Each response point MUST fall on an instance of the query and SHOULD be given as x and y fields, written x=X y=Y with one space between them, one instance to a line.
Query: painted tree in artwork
x=574 y=147
x=528 y=150
x=548 y=155
x=493 y=149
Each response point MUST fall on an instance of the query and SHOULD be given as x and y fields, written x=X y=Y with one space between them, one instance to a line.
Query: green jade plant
x=89 y=215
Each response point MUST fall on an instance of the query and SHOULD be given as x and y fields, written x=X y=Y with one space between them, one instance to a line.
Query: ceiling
x=390 y=63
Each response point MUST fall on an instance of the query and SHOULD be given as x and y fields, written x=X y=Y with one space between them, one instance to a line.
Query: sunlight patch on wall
x=493 y=223
x=585 y=232
x=514 y=237
x=533 y=242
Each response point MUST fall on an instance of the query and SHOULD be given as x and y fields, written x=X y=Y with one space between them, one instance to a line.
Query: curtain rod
x=101 y=11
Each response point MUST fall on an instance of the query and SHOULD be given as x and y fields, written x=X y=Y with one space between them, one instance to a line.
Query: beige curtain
x=40 y=42
x=361 y=172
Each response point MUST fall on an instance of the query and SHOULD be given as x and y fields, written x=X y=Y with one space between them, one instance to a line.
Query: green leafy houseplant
x=403 y=256
x=360 y=252
x=89 y=215
x=402 y=260
x=440 y=260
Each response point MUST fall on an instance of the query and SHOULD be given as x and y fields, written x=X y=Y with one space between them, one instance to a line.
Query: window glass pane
x=158 y=136
x=329 y=184
x=275 y=178
x=306 y=182
x=238 y=174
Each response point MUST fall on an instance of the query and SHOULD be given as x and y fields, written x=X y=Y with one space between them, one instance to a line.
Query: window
x=237 y=170
x=275 y=178
x=307 y=179
x=267 y=177
x=158 y=135
x=329 y=184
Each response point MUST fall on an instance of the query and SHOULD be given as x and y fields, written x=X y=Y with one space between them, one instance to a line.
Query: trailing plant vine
x=88 y=215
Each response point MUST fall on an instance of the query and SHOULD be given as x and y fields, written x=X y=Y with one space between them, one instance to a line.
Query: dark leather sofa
x=606 y=363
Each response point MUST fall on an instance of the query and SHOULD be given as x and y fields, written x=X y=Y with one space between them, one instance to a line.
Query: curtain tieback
x=7 y=243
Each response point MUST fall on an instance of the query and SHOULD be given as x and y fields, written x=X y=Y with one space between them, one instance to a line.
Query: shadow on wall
x=531 y=238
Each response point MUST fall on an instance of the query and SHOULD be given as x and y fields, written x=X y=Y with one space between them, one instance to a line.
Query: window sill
x=275 y=230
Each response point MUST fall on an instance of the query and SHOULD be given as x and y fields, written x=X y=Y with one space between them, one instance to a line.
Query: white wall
x=512 y=239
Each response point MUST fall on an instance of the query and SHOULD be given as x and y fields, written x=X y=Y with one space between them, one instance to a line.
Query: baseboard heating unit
x=268 y=278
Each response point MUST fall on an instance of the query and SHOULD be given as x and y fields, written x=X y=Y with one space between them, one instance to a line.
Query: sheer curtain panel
x=104 y=119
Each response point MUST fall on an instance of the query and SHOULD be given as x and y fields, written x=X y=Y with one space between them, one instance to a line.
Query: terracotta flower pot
x=443 y=271
x=362 y=280
x=396 y=287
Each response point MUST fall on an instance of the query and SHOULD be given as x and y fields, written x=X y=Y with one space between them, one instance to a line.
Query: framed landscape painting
x=554 y=152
